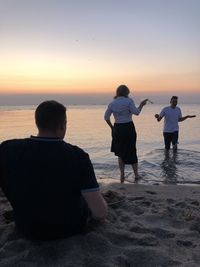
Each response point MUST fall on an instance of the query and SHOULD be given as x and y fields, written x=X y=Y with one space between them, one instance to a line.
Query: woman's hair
x=122 y=90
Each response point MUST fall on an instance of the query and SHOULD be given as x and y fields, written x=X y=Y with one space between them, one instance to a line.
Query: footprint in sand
x=183 y=243
x=195 y=203
x=151 y=192
x=162 y=234
x=158 y=232
x=149 y=257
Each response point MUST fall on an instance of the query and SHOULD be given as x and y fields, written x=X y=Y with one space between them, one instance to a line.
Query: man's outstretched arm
x=96 y=204
x=186 y=117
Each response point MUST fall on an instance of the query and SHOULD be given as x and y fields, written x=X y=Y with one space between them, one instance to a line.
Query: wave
x=159 y=167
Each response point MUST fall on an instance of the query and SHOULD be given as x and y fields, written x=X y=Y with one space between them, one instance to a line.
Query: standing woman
x=123 y=132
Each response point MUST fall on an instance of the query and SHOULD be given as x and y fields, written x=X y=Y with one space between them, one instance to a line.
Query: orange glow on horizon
x=104 y=85
x=34 y=76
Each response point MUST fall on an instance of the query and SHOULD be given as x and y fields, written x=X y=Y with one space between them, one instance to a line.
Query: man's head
x=50 y=118
x=174 y=101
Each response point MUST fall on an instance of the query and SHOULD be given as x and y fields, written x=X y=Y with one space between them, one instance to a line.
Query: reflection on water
x=169 y=167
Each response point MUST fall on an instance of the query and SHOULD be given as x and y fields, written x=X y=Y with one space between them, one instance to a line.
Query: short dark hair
x=174 y=97
x=122 y=90
x=49 y=115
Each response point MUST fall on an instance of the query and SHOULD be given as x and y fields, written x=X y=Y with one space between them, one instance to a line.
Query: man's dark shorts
x=170 y=138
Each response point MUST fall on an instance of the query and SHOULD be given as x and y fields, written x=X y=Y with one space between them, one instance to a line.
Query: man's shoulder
x=178 y=108
x=167 y=108
x=9 y=147
x=75 y=149
x=13 y=142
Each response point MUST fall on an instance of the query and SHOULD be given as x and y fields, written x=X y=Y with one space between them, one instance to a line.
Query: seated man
x=50 y=184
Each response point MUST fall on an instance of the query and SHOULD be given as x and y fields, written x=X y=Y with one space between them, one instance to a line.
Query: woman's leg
x=135 y=170
x=121 y=167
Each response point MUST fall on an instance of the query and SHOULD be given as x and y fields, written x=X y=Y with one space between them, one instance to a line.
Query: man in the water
x=173 y=116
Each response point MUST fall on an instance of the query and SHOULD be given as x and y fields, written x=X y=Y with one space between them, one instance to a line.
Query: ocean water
x=87 y=129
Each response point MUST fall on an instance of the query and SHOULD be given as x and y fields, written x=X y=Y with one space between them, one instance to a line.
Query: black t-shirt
x=43 y=179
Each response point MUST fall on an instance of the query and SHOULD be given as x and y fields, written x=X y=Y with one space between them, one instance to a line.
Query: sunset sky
x=81 y=46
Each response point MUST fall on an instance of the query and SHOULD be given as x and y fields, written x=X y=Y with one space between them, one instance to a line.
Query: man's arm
x=96 y=204
x=89 y=188
x=186 y=117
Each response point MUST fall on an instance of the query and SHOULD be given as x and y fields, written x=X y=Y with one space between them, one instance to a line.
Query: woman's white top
x=122 y=109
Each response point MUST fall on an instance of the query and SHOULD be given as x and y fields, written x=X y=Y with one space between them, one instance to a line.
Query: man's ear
x=63 y=125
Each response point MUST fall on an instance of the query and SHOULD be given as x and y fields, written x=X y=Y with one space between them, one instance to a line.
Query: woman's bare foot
x=122 y=179
x=138 y=177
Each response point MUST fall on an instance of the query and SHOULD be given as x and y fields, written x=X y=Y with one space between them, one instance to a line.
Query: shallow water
x=87 y=129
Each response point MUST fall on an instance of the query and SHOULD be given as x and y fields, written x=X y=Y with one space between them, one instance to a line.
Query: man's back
x=43 y=179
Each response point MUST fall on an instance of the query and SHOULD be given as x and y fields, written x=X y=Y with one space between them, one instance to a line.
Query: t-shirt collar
x=43 y=138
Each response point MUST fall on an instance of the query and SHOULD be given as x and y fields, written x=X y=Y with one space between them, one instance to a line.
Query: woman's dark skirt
x=124 y=142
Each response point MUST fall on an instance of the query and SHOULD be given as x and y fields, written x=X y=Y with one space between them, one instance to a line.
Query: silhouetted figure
x=50 y=184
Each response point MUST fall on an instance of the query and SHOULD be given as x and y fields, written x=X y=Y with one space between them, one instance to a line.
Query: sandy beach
x=146 y=226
